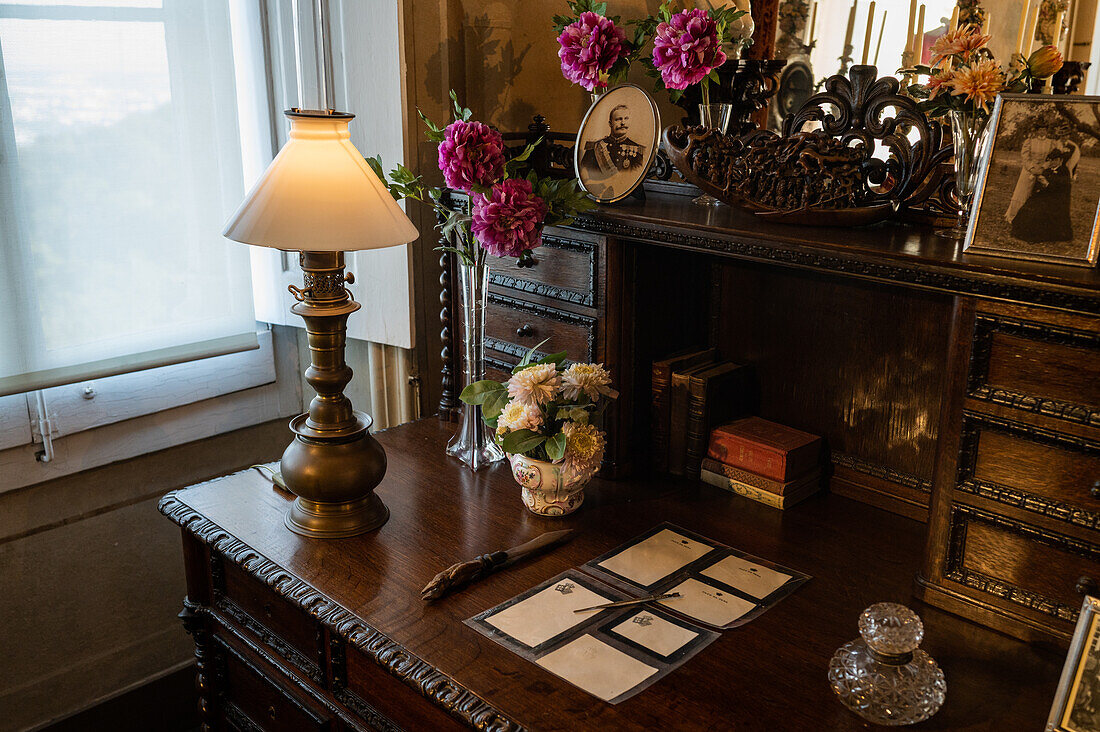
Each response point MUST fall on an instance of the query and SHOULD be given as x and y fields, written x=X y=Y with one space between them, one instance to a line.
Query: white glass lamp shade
x=320 y=195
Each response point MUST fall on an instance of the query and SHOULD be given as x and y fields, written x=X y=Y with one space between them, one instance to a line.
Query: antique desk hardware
x=856 y=153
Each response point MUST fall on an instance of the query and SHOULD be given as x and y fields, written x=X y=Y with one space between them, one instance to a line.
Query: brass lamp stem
x=333 y=464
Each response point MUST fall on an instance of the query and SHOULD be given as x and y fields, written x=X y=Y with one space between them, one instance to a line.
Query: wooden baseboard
x=167 y=704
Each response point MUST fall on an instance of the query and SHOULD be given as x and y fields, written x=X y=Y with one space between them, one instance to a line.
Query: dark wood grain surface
x=770 y=674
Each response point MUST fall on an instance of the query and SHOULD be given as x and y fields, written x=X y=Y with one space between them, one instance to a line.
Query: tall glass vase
x=714 y=117
x=968 y=135
x=473 y=444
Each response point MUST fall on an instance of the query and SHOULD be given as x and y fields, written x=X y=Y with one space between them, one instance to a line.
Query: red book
x=772 y=450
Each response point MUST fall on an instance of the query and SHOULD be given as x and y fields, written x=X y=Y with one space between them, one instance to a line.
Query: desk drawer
x=1050 y=368
x=252 y=700
x=373 y=691
x=1037 y=470
x=1019 y=563
x=513 y=326
x=564 y=269
x=271 y=620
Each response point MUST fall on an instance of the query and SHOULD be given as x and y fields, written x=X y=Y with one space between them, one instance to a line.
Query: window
x=129 y=130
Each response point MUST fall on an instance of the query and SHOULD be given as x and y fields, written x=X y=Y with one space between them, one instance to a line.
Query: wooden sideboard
x=293 y=633
x=955 y=389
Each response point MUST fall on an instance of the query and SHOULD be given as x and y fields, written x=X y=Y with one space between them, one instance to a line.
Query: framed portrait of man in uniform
x=616 y=143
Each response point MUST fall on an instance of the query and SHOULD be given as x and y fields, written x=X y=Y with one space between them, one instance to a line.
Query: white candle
x=1029 y=38
x=810 y=28
x=867 y=35
x=1025 y=11
x=881 y=29
x=918 y=37
x=1056 y=33
x=954 y=25
x=912 y=26
x=851 y=25
x=985 y=24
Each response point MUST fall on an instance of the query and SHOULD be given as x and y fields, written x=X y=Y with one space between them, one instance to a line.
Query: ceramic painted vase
x=549 y=489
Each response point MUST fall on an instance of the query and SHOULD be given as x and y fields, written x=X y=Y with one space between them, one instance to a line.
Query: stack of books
x=692 y=392
x=767 y=462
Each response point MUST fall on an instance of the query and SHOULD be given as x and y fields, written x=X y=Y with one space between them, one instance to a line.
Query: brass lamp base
x=333 y=464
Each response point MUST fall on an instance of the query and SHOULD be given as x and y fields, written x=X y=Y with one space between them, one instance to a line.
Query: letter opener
x=627 y=603
x=459 y=575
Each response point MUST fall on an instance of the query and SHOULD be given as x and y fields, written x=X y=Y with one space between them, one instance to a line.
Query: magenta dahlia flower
x=590 y=47
x=471 y=154
x=686 y=49
x=509 y=221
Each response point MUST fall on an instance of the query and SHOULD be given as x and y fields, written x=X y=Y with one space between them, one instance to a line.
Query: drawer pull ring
x=525 y=331
x=1086 y=586
x=1095 y=490
x=271 y=712
x=267 y=610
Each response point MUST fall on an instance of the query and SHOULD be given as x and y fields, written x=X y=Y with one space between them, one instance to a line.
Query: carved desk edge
x=434 y=685
x=919 y=275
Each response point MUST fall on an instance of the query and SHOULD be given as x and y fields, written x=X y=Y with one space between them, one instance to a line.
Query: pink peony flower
x=471 y=154
x=509 y=221
x=589 y=48
x=686 y=49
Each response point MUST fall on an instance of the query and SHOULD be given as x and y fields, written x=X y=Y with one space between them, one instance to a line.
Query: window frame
x=141 y=412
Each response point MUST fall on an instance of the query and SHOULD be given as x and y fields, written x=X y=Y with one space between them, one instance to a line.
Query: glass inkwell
x=883 y=676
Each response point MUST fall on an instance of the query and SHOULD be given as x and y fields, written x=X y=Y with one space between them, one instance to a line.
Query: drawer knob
x=528 y=261
x=1086 y=585
x=1095 y=490
x=267 y=610
x=525 y=331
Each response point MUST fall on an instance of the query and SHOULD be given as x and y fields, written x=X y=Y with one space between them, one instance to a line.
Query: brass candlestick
x=333 y=464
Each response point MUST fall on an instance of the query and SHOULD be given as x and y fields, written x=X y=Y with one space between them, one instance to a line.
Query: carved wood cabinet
x=958 y=390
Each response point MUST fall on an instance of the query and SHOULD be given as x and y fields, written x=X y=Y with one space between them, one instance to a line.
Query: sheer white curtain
x=120 y=158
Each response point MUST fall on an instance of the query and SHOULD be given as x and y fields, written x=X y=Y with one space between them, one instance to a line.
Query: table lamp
x=320 y=198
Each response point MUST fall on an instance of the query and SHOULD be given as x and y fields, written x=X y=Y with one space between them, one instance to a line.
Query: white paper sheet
x=596 y=667
x=746 y=576
x=545 y=614
x=655 y=633
x=658 y=556
x=706 y=603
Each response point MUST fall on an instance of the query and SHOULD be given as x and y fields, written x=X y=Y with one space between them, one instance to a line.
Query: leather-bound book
x=661 y=385
x=759 y=482
x=678 y=417
x=772 y=450
x=802 y=489
x=715 y=395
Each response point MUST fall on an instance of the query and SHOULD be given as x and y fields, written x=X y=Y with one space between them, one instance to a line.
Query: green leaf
x=479 y=391
x=435 y=133
x=554 y=358
x=494 y=404
x=555 y=446
x=526 y=360
x=521 y=441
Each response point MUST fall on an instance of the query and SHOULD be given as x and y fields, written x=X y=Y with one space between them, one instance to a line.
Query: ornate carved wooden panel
x=564 y=269
x=1021 y=563
x=1028 y=467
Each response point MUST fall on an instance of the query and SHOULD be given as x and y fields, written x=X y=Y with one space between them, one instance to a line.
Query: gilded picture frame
x=1037 y=194
x=1076 y=705
x=611 y=163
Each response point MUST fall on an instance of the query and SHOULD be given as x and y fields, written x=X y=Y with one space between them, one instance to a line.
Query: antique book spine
x=677 y=429
x=696 y=434
x=754 y=493
x=740 y=453
x=659 y=425
x=757 y=481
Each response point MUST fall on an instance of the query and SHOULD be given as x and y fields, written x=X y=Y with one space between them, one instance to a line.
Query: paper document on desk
x=655 y=557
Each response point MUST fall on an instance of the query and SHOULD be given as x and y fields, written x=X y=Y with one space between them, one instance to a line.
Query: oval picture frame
x=610 y=166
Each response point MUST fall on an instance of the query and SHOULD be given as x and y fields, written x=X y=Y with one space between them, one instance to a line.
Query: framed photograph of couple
x=616 y=143
x=1038 y=188
x=1076 y=705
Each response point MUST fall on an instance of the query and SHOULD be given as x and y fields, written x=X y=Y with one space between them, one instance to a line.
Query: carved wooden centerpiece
x=855 y=153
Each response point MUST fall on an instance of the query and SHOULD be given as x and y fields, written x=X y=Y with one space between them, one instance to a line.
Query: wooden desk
x=955 y=389
x=296 y=633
